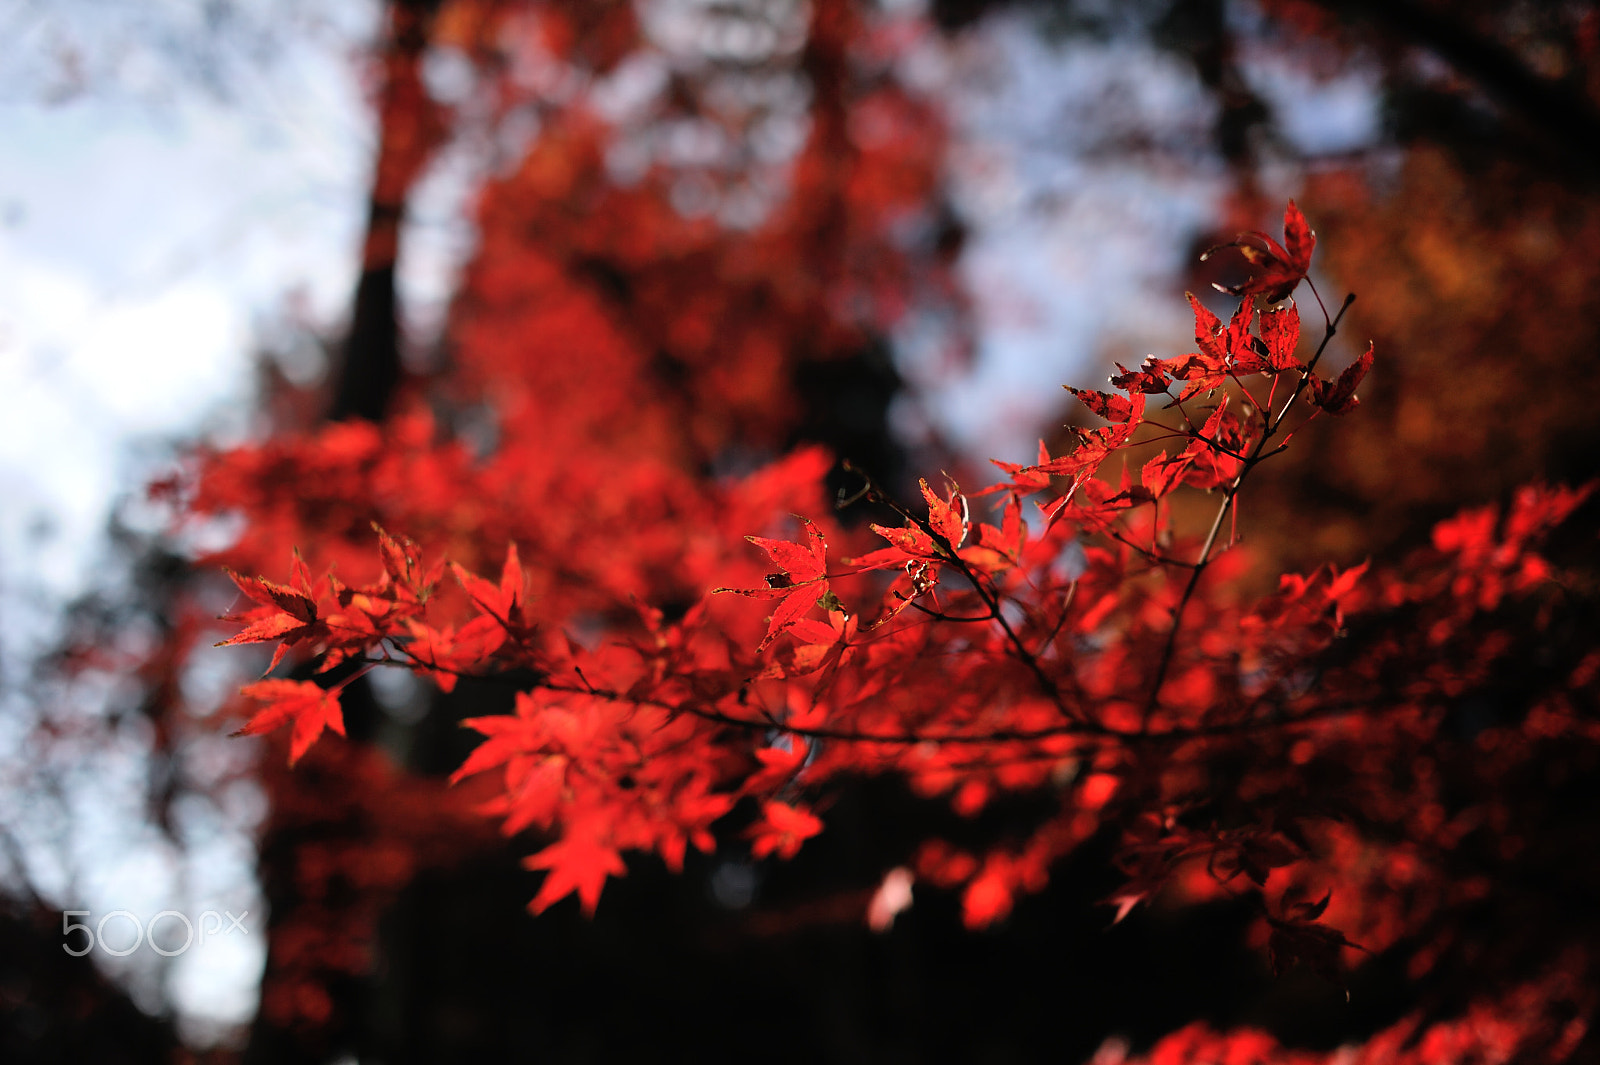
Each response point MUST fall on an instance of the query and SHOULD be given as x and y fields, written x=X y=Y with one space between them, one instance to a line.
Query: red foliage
x=1061 y=632
x=1279 y=268
x=987 y=663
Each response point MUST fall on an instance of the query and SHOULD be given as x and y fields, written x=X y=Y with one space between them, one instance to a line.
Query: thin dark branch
x=1271 y=424
x=953 y=558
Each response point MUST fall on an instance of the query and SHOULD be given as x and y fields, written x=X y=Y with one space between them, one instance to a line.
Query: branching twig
x=1270 y=427
x=953 y=558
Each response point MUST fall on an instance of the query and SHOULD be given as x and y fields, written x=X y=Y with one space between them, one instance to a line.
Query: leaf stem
x=1270 y=427
x=953 y=558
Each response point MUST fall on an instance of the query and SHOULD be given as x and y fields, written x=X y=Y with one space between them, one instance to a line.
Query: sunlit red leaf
x=807 y=562
x=943 y=516
x=782 y=829
x=296 y=604
x=502 y=601
x=794 y=606
x=305 y=705
x=1103 y=405
x=1277 y=268
x=576 y=863
x=1339 y=397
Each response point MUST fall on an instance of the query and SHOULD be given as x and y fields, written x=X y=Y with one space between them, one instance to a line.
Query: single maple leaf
x=264 y=626
x=1165 y=472
x=284 y=613
x=1025 y=480
x=782 y=828
x=578 y=862
x=1339 y=397
x=944 y=517
x=1094 y=446
x=309 y=707
x=1202 y=372
x=1222 y=344
x=1053 y=512
x=445 y=653
x=402 y=566
x=801 y=659
x=534 y=789
x=906 y=543
x=802 y=583
x=1280 y=332
x=504 y=601
x=1278 y=267
x=802 y=563
x=296 y=602
x=1103 y=405
x=795 y=606
x=1148 y=379
x=507 y=735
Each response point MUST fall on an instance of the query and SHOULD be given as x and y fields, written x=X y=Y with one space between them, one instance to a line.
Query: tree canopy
x=1253 y=718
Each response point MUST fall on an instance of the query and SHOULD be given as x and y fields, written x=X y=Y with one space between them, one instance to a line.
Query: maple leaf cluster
x=1072 y=640
x=696 y=666
x=583 y=543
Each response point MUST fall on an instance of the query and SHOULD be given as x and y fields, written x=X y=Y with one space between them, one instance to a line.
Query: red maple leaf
x=801 y=563
x=578 y=862
x=309 y=707
x=1103 y=405
x=1339 y=397
x=1148 y=379
x=804 y=568
x=402 y=566
x=445 y=653
x=945 y=516
x=284 y=613
x=503 y=602
x=1278 y=267
x=1280 y=332
x=782 y=828
x=1223 y=344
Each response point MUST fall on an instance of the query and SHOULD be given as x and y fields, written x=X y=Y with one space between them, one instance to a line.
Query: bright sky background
x=164 y=189
x=1083 y=169
x=160 y=210
x=147 y=229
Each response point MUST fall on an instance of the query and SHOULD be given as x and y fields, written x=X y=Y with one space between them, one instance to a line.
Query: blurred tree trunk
x=410 y=127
